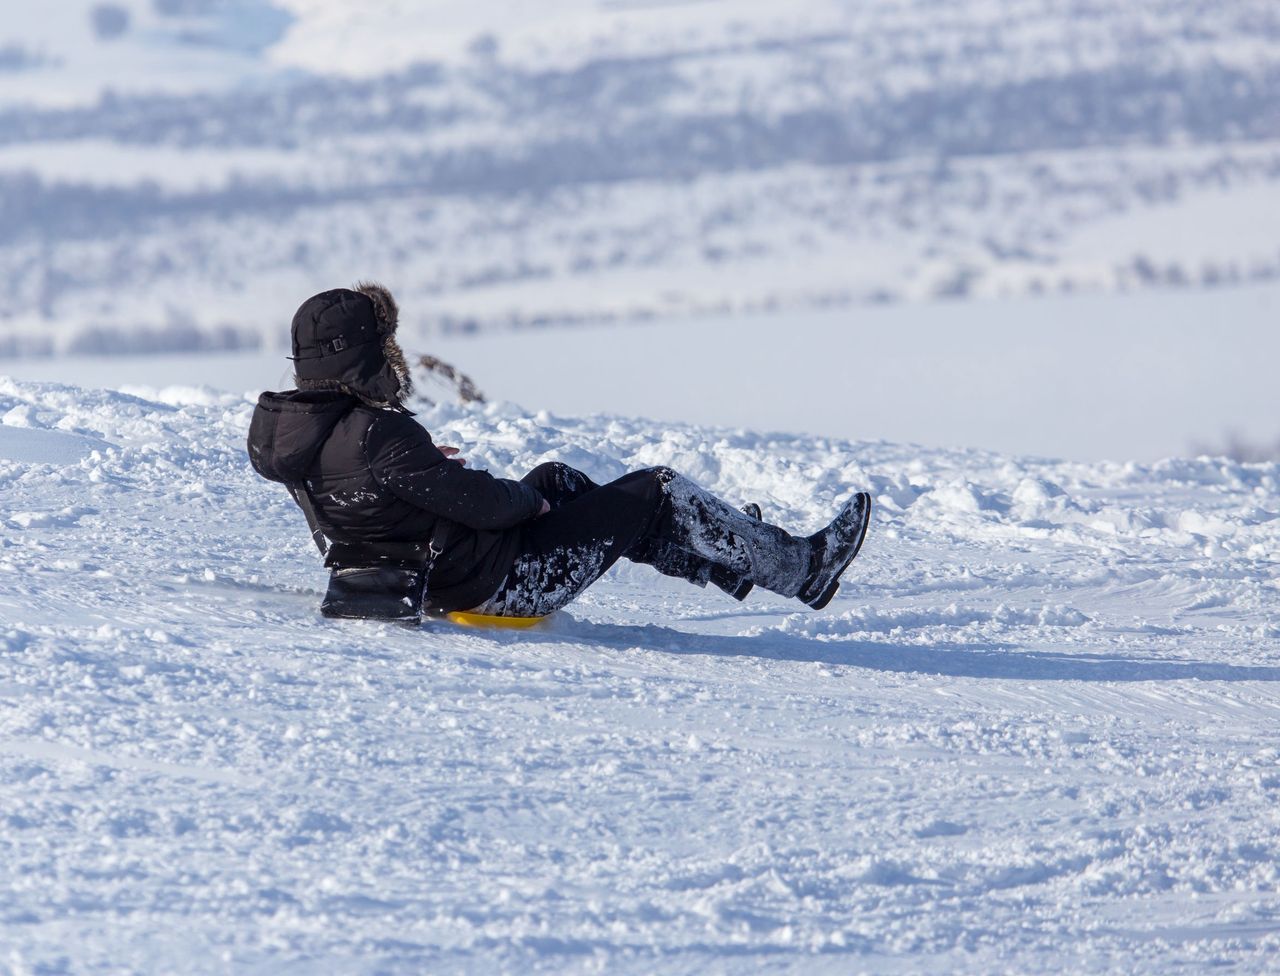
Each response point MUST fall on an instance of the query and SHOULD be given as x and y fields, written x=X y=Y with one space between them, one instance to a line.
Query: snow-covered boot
x=834 y=549
x=752 y=550
x=737 y=586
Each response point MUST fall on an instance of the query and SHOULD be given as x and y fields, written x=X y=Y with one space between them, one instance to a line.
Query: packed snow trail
x=1035 y=731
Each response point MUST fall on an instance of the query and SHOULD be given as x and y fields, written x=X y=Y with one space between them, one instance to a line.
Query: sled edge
x=464 y=619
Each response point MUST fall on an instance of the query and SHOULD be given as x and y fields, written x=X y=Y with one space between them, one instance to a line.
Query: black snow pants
x=654 y=516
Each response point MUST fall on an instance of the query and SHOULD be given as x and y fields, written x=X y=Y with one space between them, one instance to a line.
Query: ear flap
x=384 y=306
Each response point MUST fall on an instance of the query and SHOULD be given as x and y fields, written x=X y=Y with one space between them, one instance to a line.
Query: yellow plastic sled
x=464 y=619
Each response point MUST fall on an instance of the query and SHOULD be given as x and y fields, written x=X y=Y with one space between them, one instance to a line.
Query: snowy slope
x=1033 y=733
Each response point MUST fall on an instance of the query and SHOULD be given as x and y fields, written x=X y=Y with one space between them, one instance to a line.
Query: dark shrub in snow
x=109 y=21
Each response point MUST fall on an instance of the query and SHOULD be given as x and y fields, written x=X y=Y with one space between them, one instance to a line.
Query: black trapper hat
x=346 y=338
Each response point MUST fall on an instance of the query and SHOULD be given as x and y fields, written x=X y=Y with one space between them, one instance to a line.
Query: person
x=351 y=451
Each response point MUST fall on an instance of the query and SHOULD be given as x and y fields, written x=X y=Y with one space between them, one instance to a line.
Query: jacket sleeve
x=406 y=463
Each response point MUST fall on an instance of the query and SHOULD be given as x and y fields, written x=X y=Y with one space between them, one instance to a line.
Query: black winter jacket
x=375 y=476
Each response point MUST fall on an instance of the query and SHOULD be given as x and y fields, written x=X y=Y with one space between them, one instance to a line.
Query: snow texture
x=1031 y=734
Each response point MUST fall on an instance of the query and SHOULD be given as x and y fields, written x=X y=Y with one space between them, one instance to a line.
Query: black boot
x=834 y=549
x=737 y=586
x=703 y=524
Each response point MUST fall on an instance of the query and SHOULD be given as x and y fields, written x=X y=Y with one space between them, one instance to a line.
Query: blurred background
x=1048 y=227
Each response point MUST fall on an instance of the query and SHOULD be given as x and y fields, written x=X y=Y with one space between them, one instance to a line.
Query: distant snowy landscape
x=619 y=162
x=1012 y=266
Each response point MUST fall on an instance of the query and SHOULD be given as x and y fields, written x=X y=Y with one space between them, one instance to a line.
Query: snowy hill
x=1031 y=734
x=168 y=174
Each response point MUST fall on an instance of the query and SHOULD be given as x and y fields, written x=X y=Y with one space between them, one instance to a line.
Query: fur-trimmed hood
x=344 y=339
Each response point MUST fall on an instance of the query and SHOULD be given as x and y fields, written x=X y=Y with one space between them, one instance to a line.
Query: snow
x=99 y=162
x=331 y=36
x=948 y=246
x=72 y=65
x=1028 y=735
x=1141 y=376
x=508 y=165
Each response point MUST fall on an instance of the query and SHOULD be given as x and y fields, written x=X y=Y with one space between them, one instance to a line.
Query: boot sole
x=826 y=595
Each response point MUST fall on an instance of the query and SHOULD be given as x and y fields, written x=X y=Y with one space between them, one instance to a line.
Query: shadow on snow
x=974 y=660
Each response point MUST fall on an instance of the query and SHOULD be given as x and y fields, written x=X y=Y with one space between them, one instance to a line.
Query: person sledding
x=372 y=483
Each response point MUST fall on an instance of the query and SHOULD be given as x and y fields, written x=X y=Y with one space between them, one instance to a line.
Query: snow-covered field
x=1034 y=733
x=1144 y=376
x=165 y=182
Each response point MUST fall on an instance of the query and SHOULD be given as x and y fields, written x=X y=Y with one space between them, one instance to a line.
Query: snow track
x=1033 y=732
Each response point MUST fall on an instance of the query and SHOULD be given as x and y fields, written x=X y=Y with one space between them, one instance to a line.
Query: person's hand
x=546 y=507
x=449 y=452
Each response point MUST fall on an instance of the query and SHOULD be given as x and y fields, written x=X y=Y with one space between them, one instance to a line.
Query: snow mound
x=1026 y=736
